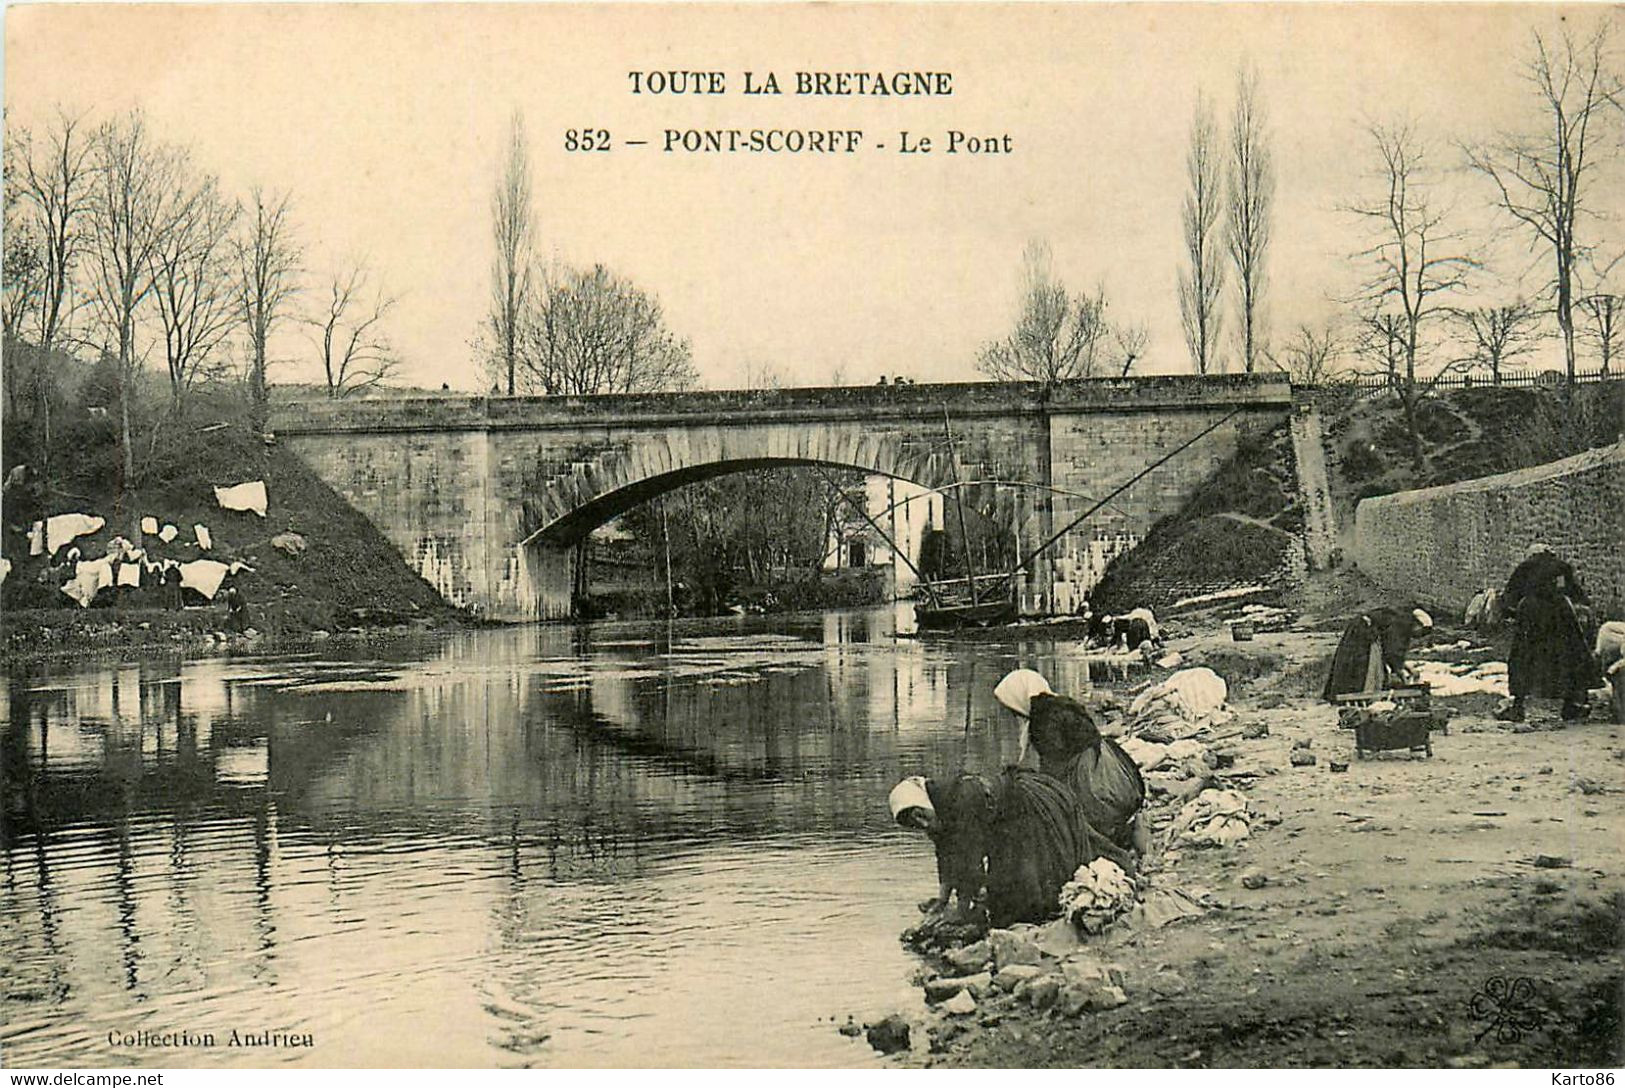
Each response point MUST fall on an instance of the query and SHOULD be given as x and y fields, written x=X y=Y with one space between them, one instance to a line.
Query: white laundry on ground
x=149 y=525
x=204 y=540
x=89 y=577
x=204 y=575
x=129 y=574
x=168 y=533
x=1148 y=755
x=61 y=528
x=1194 y=693
x=249 y=496
x=1213 y=818
x=5 y=569
x=1096 y=895
x=1610 y=648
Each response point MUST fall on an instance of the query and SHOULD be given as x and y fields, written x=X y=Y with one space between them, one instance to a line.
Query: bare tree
x=1498 y=334
x=22 y=274
x=24 y=260
x=594 y=332
x=762 y=374
x=1543 y=178
x=1251 y=204
x=24 y=271
x=1057 y=335
x=355 y=352
x=1129 y=341
x=1418 y=264
x=1311 y=356
x=194 y=283
x=132 y=211
x=1603 y=313
x=1603 y=306
x=55 y=180
x=1201 y=284
x=267 y=279
x=1381 y=343
x=511 y=268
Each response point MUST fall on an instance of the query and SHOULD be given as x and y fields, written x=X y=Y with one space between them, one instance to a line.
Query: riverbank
x=41 y=638
x=1365 y=919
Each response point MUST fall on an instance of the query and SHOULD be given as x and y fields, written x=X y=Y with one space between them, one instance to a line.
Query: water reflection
x=555 y=846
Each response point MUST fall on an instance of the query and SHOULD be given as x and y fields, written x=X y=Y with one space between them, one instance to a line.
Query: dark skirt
x=1549 y=658
x=1038 y=841
x=1352 y=660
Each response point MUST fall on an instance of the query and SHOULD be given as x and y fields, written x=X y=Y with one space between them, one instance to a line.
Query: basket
x=1242 y=631
x=1398 y=731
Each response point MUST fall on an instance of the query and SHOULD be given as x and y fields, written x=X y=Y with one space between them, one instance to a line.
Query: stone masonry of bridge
x=486 y=497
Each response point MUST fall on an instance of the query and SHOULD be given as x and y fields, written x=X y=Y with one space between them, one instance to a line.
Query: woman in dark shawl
x=1104 y=779
x=1550 y=657
x=1007 y=842
x=1371 y=654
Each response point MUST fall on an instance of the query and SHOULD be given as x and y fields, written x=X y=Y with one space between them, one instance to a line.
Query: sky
x=387 y=125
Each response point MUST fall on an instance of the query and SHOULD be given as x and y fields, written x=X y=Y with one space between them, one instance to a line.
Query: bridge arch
x=566 y=508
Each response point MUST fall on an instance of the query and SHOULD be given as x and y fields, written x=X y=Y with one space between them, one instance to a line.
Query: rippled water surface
x=618 y=845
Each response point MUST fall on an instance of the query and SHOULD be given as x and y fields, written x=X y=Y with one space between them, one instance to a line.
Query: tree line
x=119 y=246
x=561 y=330
x=1428 y=303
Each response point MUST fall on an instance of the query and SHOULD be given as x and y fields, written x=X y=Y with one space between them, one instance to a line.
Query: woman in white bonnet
x=1106 y=782
x=1371 y=654
x=1005 y=844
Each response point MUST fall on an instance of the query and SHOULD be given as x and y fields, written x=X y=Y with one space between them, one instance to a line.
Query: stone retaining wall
x=1441 y=545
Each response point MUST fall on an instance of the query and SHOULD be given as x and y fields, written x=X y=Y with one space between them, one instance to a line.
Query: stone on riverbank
x=961 y=1004
x=1089 y=986
x=1017 y=973
x=889 y=1035
x=1040 y=992
x=1167 y=983
x=970 y=958
x=942 y=989
x=1013 y=946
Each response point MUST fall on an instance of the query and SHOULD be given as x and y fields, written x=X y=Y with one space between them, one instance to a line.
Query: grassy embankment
x=349 y=577
x=1239 y=528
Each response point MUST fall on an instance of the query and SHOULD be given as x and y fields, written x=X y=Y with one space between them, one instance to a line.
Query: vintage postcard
x=813 y=536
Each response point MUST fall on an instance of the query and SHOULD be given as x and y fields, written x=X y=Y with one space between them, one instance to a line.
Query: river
x=622 y=844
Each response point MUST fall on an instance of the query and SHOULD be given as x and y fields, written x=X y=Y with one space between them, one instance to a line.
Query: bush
x=1361 y=461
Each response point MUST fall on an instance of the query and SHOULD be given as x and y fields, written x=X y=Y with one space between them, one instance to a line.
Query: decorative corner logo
x=1508 y=1006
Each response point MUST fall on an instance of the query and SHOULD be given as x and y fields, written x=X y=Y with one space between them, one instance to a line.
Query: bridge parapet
x=963 y=400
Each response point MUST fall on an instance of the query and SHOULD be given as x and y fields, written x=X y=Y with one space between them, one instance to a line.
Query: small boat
x=979 y=614
x=965 y=602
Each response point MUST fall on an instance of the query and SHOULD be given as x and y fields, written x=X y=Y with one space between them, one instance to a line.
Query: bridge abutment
x=546 y=590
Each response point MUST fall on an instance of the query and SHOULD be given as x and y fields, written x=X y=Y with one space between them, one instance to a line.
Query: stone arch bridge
x=487 y=497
